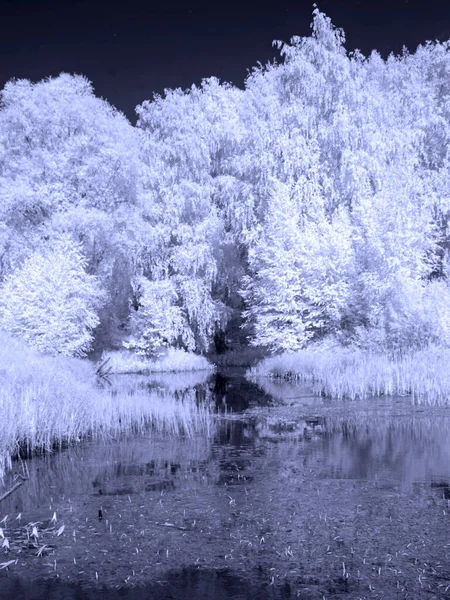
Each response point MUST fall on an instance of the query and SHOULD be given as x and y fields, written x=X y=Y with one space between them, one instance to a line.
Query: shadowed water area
x=289 y=496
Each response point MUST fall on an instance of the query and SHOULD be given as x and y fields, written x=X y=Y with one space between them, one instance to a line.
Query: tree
x=183 y=228
x=50 y=302
x=301 y=275
x=156 y=320
x=69 y=164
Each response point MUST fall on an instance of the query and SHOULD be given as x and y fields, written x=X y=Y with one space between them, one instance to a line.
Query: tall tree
x=68 y=164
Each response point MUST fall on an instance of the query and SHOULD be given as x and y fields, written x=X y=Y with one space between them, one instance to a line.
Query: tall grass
x=352 y=373
x=172 y=361
x=48 y=402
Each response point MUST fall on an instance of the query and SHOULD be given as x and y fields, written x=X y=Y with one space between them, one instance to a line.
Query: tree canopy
x=314 y=203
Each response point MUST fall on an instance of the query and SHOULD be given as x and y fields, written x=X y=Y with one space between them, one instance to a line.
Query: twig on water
x=13 y=489
x=172 y=525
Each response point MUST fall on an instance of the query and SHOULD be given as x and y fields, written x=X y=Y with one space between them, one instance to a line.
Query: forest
x=309 y=209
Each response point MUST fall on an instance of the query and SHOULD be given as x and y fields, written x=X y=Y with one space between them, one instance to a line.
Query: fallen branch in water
x=13 y=489
x=102 y=372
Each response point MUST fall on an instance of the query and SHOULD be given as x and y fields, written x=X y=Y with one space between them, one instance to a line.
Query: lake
x=288 y=496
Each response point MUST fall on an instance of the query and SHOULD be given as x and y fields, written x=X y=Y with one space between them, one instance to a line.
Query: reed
x=353 y=373
x=171 y=361
x=48 y=402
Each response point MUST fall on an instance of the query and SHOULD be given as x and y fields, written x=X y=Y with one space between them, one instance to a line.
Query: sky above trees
x=132 y=49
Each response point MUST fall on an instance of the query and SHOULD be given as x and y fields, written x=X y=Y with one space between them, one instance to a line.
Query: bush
x=50 y=302
x=172 y=360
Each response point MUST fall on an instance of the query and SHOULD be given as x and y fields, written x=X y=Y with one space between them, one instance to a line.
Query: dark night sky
x=131 y=49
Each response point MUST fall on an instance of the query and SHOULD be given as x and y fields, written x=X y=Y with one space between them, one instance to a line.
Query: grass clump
x=172 y=361
x=354 y=373
x=48 y=402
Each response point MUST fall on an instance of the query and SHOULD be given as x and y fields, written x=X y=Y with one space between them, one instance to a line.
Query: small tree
x=51 y=302
x=301 y=275
x=156 y=319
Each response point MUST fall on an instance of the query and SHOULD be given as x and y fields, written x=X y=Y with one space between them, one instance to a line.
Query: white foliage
x=321 y=190
x=50 y=302
x=159 y=320
x=303 y=271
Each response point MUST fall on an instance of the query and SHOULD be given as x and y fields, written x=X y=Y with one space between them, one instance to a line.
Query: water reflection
x=187 y=583
x=234 y=393
x=250 y=495
x=173 y=385
x=376 y=438
x=123 y=466
x=358 y=441
x=407 y=450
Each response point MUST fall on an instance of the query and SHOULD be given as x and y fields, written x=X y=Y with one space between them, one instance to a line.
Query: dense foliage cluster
x=313 y=204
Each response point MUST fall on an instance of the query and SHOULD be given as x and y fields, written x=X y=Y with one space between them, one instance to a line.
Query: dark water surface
x=290 y=497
